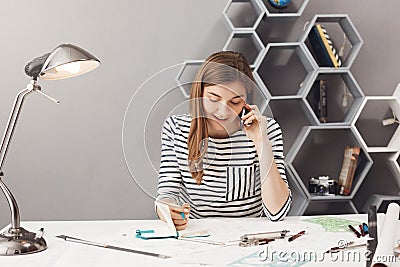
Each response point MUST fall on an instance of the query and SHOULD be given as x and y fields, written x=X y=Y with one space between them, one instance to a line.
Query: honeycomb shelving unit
x=315 y=148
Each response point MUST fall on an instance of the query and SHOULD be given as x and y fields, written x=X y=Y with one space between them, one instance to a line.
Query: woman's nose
x=223 y=109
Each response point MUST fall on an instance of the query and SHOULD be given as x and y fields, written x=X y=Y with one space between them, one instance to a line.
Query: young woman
x=217 y=162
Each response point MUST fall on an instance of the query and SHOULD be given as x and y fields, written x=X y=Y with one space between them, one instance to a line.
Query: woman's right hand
x=180 y=215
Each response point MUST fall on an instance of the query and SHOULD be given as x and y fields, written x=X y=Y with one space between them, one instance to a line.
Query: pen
x=354 y=231
x=365 y=227
x=294 y=237
x=361 y=230
x=181 y=213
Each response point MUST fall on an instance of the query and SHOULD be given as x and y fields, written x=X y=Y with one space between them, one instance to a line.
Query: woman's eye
x=214 y=99
x=236 y=102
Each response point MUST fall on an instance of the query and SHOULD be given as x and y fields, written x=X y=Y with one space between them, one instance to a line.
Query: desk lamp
x=64 y=61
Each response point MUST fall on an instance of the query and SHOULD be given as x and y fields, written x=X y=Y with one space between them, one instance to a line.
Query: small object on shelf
x=348 y=169
x=390 y=121
x=323 y=48
x=279 y=3
x=322 y=186
x=319 y=100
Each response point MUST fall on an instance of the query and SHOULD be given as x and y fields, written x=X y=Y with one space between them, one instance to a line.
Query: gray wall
x=66 y=162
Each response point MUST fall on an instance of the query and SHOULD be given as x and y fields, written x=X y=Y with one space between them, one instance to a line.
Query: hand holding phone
x=246 y=109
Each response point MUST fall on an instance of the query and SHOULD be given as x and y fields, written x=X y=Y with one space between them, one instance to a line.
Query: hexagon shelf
x=394 y=165
x=283 y=115
x=316 y=153
x=341 y=32
x=374 y=112
x=340 y=84
x=330 y=207
x=280 y=60
x=294 y=9
x=381 y=202
x=246 y=42
x=379 y=114
x=299 y=197
x=243 y=14
x=285 y=73
x=186 y=75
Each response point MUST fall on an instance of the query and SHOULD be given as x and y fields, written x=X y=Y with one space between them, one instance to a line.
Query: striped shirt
x=231 y=182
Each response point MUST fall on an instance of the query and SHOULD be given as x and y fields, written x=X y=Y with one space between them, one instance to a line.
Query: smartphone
x=244 y=111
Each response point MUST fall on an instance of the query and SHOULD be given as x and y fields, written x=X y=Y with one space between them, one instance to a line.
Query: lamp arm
x=5 y=142
x=12 y=121
x=15 y=217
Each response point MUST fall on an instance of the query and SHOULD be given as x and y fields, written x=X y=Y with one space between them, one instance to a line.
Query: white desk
x=122 y=233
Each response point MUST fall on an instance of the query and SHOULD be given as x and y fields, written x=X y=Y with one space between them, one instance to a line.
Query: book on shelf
x=350 y=158
x=318 y=100
x=323 y=48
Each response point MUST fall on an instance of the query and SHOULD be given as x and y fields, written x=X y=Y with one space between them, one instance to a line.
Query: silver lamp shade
x=67 y=61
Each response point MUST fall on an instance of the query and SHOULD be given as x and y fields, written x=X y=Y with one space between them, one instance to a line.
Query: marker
x=294 y=237
x=181 y=213
x=354 y=231
x=365 y=227
x=361 y=230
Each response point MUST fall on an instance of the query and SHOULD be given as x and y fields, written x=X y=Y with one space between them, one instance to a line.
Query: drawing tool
x=271 y=235
x=91 y=243
x=354 y=231
x=365 y=227
x=294 y=237
x=210 y=242
x=361 y=230
x=177 y=206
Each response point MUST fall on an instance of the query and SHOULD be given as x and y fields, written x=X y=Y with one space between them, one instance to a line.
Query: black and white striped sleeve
x=169 y=177
x=276 y=139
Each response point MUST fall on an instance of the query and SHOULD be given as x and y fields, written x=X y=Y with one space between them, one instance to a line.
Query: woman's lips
x=220 y=119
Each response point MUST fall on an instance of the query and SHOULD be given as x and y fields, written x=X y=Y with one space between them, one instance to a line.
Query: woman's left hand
x=255 y=124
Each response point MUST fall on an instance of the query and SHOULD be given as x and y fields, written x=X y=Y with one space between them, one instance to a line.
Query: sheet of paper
x=387 y=237
x=164 y=210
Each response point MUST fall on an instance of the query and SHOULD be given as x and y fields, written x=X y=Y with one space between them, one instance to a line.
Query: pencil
x=294 y=237
x=354 y=231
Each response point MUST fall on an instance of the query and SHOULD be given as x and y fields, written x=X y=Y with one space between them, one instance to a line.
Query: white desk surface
x=183 y=253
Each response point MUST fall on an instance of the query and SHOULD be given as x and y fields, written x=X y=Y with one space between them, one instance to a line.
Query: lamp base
x=19 y=241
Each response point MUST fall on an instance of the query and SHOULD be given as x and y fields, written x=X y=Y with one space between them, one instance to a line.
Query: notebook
x=168 y=230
